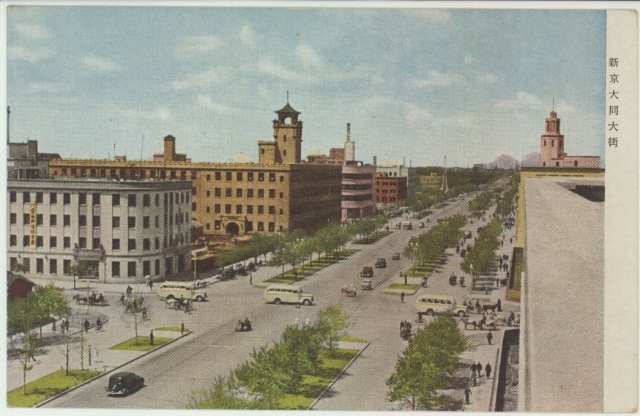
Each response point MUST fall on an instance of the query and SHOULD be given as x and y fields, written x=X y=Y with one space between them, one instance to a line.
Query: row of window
x=179 y=239
x=132 y=199
x=385 y=199
x=228 y=176
x=271 y=226
x=132 y=267
x=180 y=218
x=228 y=192
x=217 y=208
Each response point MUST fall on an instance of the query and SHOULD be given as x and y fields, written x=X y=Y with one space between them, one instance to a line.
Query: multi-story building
x=390 y=189
x=432 y=181
x=278 y=194
x=552 y=148
x=409 y=173
x=25 y=162
x=115 y=230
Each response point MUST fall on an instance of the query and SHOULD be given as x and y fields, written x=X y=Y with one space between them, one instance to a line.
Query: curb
x=50 y=399
x=335 y=380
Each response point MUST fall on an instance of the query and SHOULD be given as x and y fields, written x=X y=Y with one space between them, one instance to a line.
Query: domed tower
x=287 y=132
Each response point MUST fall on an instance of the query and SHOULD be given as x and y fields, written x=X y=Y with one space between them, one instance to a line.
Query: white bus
x=178 y=290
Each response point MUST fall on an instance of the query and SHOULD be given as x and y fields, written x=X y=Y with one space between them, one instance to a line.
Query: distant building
x=24 y=161
x=432 y=181
x=552 y=148
x=116 y=230
x=410 y=173
x=390 y=189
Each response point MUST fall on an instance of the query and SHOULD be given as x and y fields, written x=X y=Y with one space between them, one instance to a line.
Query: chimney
x=169 y=148
x=375 y=161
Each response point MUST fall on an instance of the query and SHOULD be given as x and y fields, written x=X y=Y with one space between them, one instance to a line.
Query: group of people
x=243 y=325
x=96 y=297
x=453 y=280
x=405 y=329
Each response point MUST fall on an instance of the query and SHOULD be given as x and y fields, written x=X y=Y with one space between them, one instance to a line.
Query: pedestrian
x=66 y=324
x=122 y=299
x=53 y=326
x=86 y=325
x=98 y=325
x=467 y=395
x=62 y=326
x=511 y=240
x=499 y=305
x=251 y=279
x=182 y=329
x=474 y=379
x=151 y=284
x=151 y=337
x=479 y=369
x=487 y=370
x=489 y=337
x=402 y=297
x=405 y=278
x=129 y=290
x=497 y=281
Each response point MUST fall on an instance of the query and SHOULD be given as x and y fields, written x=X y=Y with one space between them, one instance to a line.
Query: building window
x=39 y=198
x=53 y=198
x=228 y=176
x=132 y=222
x=115 y=222
x=281 y=211
x=53 y=266
x=272 y=227
x=53 y=242
x=249 y=209
x=158 y=200
x=39 y=241
x=132 y=200
x=66 y=198
x=96 y=244
x=272 y=209
x=39 y=266
x=281 y=178
x=67 y=242
x=96 y=199
x=272 y=193
x=250 y=176
x=216 y=208
x=227 y=192
x=146 y=200
x=82 y=198
x=238 y=209
x=208 y=226
x=260 y=176
x=217 y=192
x=217 y=224
x=157 y=222
x=239 y=193
x=66 y=266
x=131 y=269
x=193 y=206
x=227 y=209
x=53 y=220
x=260 y=226
x=249 y=193
x=13 y=240
x=218 y=176
x=557 y=164
x=115 y=200
x=13 y=217
x=157 y=245
x=260 y=209
x=82 y=220
x=260 y=193
x=132 y=244
x=146 y=222
x=115 y=244
x=39 y=219
x=208 y=210
x=12 y=196
x=575 y=163
x=272 y=177
x=157 y=267
x=239 y=176
x=115 y=268
x=146 y=245
x=96 y=221
x=82 y=242
x=281 y=195
x=25 y=241
x=146 y=267
x=25 y=219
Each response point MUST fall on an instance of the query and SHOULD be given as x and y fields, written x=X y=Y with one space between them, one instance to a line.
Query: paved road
x=214 y=348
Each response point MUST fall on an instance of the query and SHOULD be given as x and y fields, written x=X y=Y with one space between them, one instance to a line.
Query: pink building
x=552 y=148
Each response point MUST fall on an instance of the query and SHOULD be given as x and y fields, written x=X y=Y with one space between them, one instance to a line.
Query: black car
x=396 y=256
x=381 y=263
x=124 y=383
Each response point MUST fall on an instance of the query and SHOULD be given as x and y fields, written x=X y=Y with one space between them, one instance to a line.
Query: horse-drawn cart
x=94 y=299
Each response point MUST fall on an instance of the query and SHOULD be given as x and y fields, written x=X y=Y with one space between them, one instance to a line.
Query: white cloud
x=241 y=158
x=436 y=79
x=416 y=113
x=468 y=59
x=309 y=57
x=487 y=78
x=202 y=79
x=20 y=53
x=207 y=102
x=380 y=100
x=275 y=69
x=32 y=31
x=247 y=35
x=99 y=64
x=376 y=79
x=198 y=45
x=521 y=100
x=160 y=113
x=269 y=67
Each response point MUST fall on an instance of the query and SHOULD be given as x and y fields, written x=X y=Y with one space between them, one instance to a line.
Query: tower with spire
x=551 y=142
x=287 y=132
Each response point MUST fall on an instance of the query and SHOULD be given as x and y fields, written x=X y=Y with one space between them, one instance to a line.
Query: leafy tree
x=332 y=320
x=24 y=343
x=47 y=301
x=76 y=269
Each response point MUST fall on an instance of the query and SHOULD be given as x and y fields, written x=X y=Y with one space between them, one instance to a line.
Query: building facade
x=115 y=230
x=552 y=153
x=390 y=189
x=431 y=181
x=278 y=194
x=25 y=162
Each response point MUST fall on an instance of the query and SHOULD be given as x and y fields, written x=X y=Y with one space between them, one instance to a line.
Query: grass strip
x=172 y=328
x=48 y=386
x=373 y=238
x=140 y=343
x=301 y=271
x=403 y=286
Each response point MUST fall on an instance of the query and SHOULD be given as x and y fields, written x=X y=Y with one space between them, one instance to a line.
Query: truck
x=407 y=225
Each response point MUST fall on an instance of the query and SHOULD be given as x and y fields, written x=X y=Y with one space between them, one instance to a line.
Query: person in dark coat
x=86 y=325
x=499 y=305
x=151 y=337
x=489 y=337
x=487 y=370
x=467 y=395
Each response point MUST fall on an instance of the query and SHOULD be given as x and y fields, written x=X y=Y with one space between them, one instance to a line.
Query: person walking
x=467 y=395
x=86 y=325
x=487 y=370
x=98 y=325
x=402 y=297
x=489 y=337
x=251 y=279
x=151 y=337
x=499 y=305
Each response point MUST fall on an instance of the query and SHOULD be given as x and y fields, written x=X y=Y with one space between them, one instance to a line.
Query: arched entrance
x=232 y=229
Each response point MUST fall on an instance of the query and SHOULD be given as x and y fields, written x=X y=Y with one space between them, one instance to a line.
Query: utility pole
x=445 y=186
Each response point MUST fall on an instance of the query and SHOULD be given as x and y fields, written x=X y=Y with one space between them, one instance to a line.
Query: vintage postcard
x=363 y=206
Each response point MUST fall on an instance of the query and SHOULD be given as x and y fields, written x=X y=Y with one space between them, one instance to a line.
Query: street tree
x=48 y=301
x=331 y=321
x=135 y=312
x=23 y=343
x=76 y=269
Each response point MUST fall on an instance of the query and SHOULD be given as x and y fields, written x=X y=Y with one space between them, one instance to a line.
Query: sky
x=415 y=84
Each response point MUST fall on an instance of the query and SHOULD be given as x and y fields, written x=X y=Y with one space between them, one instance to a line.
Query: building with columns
x=552 y=153
x=280 y=193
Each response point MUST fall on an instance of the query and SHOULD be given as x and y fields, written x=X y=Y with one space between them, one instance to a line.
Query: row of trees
x=505 y=204
x=482 y=254
x=428 y=247
x=277 y=370
x=481 y=203
x=426 y=367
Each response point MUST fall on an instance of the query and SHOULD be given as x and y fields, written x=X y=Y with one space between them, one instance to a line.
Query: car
x=124 y=383
x=366 y=284
x=396 y=256
x=381 y=263
x=367 y=271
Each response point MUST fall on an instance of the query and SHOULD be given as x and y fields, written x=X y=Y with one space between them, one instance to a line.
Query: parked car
x=124 y=383
x=367 y=271
x=396 y=256
x=366 y=284
x=381 y=263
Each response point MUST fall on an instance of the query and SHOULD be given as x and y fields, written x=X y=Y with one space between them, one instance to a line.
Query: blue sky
x=414 y=84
